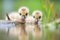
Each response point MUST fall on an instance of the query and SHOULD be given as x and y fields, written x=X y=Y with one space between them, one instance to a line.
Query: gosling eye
x=26 y=14
x=39 y=17
x=20 y=13
x=33 y=16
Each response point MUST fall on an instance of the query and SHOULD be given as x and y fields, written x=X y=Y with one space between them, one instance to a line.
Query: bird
x=36 y=17
x=37 y=30
x=19 y=16
x=23 y=12
x=34 y=25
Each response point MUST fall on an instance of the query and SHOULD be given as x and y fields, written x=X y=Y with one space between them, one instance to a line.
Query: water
x=50 y=33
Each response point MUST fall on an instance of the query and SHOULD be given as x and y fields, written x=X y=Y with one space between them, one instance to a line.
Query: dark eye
x=26 y=14
x=33 y=16
x=20 y=13
x=39 y=17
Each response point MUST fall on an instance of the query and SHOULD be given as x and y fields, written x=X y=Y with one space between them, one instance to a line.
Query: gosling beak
x=36 y=20
x=23 y=17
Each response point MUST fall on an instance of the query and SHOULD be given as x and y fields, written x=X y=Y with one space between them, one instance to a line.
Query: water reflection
x=19 y=31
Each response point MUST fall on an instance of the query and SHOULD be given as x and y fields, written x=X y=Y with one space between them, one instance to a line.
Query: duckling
x=35 y=18
x=37 y=32
x=19 y=16
x=23 y=11
x=37 y=15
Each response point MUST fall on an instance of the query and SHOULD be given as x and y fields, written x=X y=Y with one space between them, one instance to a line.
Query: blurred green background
x=13 y=5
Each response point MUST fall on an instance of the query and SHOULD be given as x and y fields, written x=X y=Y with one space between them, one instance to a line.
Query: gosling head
x=23 y=12
x=37 y=15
